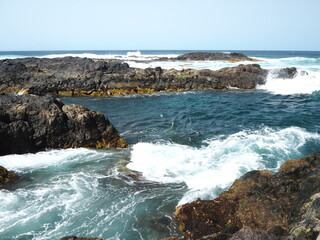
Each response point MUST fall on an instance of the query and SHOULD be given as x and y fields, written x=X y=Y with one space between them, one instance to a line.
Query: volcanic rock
x=92 y=77
x=203 y=56
x=32 y=123
x=283 y=203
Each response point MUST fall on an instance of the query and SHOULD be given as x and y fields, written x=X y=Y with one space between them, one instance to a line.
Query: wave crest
x=211 y=168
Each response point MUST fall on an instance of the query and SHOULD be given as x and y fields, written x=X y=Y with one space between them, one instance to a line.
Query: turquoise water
x=183 y=146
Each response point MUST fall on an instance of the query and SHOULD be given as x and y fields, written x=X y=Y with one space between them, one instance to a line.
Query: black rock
x=31 y=123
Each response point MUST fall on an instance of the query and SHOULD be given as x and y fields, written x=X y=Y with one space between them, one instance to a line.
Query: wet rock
x=260 y=200
x=285 y=73
x=6 y=177
x=31 y=123
x=80 y=238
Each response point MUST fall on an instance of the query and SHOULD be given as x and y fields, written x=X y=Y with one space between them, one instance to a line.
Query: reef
x=31 y=123
x=6 y=178
x=71 y=76
x=284 y=205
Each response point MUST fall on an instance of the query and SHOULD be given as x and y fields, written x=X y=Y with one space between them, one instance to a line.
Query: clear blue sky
x=159 y=24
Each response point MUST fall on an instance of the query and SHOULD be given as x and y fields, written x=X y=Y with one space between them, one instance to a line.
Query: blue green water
x=183 y=146
x=265 y=54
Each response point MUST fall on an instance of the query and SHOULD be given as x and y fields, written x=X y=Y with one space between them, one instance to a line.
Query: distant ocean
x=185 y=145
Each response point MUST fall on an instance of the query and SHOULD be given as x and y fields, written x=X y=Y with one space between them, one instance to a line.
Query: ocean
x=182 y=146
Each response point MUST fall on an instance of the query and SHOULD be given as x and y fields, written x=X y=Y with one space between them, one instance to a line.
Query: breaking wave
x=209 y=169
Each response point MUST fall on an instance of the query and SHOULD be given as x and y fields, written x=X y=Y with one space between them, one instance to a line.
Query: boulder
x=31 y=123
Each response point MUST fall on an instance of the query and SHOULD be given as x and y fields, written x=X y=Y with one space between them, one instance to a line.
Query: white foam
x=301 y=84
x=134 y=54
x=27 y=162
x=72 y=192
x=130 y=56
x=215 y=166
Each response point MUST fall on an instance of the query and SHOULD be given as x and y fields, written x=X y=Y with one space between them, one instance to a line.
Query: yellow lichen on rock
x=102 y=144
x=115 y=92
x=11 y=90
x=115 y=143
x=145 y=90
x=65 y=93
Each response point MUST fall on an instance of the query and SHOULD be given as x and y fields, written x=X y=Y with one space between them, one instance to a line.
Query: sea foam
x=44 y=159
x=305 y=82
x=213 y=167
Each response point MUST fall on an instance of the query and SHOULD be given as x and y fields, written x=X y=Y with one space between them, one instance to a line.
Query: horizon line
x=61 y=50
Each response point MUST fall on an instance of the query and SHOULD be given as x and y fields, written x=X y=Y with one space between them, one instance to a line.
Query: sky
x=159 y=25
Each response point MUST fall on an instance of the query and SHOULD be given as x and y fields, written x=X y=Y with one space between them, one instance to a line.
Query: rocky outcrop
x=203 y=56
x=31 y=123
x=81 y=76
x=6 y=177
x=282 y=204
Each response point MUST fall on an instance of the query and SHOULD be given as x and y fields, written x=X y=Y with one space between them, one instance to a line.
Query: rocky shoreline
x=31 y=123
x=259 y=205
x=71 y=76
x=263 y=205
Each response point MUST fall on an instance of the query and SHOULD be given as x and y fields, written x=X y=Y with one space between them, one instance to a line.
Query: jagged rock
x=307 y=223
x=31 y=123
x=87 y=77
x=6 y=177
x=260 y=200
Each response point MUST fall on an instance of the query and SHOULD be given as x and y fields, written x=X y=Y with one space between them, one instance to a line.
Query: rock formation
x=286 y=203
x=81 y=76
x=202 y=56
x=31 y=123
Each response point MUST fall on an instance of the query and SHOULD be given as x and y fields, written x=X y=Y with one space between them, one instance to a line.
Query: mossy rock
x=6 y=177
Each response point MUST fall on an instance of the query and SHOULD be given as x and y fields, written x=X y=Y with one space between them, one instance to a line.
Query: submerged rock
x=31 y=123
x=87 y=77
x=6 y=177
x=80 y=238
x=282 y=203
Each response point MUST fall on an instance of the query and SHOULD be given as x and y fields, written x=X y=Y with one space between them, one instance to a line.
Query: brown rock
x=6 y=177
x=257 y=200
